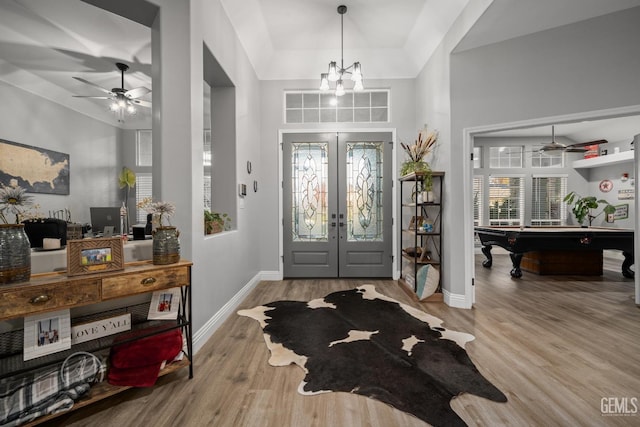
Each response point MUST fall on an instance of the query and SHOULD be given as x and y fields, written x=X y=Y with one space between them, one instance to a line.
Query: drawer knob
x=40 y=299
x=148 y=281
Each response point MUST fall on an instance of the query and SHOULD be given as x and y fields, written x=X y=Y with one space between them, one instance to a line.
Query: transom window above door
x=370 y=106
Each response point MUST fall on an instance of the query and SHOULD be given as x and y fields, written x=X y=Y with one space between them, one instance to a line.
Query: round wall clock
x=606 y=185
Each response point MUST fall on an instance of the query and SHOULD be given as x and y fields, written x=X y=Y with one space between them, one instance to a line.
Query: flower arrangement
x=12 y=200
x=417 y=151
x=161 y=209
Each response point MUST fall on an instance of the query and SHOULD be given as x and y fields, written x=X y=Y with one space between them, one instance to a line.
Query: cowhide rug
x=360 y=341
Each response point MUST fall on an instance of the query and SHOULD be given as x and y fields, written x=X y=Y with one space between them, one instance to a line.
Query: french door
x=337 y=204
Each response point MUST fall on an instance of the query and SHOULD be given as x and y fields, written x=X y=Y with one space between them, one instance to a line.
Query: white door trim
x=281 y=132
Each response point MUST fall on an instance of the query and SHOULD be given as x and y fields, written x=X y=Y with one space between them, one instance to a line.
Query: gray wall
x=94 y=149
x=587 y=66
x=223 y=263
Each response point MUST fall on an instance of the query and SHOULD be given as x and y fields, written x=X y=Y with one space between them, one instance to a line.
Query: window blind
x=478 y=198
x=506 y=200
x=548 y=193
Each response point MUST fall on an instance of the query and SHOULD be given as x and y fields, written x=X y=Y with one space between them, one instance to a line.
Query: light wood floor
x=555 y=345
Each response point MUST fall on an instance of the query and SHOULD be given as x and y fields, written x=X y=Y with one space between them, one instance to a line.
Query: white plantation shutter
x=506 y=200
x=548 y=191
x=478 y=198
x=144 y=189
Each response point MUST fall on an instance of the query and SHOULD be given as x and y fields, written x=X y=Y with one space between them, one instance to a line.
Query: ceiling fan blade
x=574 y=149
x=94 y=97
x=584 y=144
x=92 y=84
x=141 y=103
x=137 y=92
x=554 y=146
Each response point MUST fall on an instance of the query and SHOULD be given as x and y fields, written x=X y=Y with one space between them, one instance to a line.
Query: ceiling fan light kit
x=337 y=73
x=122 y=101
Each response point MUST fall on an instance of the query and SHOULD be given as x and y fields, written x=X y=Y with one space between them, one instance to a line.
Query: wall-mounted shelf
x=609 y=159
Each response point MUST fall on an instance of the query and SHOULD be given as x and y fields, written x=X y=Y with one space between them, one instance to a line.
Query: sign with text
x=100 y=328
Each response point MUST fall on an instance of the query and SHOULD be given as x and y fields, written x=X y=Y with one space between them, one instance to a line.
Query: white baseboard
x=270 y=275
x=455 y=300
x=201 y=336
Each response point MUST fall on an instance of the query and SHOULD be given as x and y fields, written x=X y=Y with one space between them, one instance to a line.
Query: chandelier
x=338 y=75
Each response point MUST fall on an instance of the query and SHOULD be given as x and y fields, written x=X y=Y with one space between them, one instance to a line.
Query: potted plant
x=427 y=187
x=417 y=151
x=582 y=206
x=215 y=222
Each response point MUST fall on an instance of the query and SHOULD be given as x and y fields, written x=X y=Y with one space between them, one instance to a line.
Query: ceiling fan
x=121 y=99
x=578 y=147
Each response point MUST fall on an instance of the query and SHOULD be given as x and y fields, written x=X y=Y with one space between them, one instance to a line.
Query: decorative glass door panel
x=309 y=183
x=365 y=193
x=337 y=205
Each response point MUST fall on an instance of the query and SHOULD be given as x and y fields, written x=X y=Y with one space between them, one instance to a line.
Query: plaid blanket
x=48 y=391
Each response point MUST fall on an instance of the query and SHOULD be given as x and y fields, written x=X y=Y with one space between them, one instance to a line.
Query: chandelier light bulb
x=339 y=88
x=357 y=86
x=356 y=74
x=324 y=81
x=131 y=109
x=113 y=106
x=333 y=72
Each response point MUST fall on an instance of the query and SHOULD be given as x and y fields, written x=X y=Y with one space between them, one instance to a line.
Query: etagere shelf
x=420 y=246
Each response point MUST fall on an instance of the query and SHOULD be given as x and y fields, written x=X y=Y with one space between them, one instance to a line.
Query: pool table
x=519 y=240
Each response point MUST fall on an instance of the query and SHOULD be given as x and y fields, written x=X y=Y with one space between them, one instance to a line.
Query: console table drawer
x=123 y=285
x=34 y=299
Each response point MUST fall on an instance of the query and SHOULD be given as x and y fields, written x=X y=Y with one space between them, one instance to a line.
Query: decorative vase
x=15 y=254
x=166 y=246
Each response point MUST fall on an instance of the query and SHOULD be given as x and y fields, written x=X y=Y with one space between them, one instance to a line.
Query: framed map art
x=35 y=169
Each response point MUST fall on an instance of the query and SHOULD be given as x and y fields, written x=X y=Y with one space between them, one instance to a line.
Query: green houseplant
x=582 y=206
x=417 y=151
x=215 y=222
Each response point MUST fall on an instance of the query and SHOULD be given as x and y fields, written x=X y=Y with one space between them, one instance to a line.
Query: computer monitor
x=105 y=217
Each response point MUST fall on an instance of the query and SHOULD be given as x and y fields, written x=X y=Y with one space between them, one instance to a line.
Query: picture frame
x=88 y=256
x=165 y=304
x=622 y=211
x=46 y=333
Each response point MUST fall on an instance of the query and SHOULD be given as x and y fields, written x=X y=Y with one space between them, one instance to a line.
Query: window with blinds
x=370 y=106
x=505 y=157
x=478 y=181
x=207 y=162
x=506 y=200
x=142 y=169
x=548 y=191
x=143 y=189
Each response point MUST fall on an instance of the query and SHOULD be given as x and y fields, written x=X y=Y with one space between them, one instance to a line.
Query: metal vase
x=166 y=246
x=15 y=254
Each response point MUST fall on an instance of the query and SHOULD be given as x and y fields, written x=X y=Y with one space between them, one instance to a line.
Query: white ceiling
x=44 y=43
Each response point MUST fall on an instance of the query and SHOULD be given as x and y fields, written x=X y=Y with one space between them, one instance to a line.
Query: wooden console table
x=55 y=291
